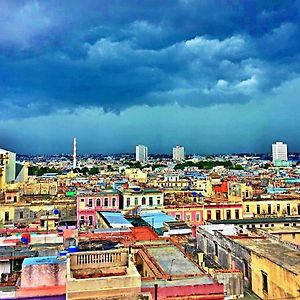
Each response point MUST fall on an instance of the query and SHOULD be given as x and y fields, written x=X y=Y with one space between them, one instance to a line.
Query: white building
x=178 y=153
x=141 y=153
x=279 y=151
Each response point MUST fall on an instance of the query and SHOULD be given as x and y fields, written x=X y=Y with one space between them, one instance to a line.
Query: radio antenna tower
x=74 y=154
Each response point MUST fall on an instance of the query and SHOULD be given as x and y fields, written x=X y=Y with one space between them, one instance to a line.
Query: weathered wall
x=282 y=284
x=226 y=253
x=34 y=276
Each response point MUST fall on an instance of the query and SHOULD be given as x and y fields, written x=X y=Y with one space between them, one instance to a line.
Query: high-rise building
x=279 y=152
x=178 y=153
x=11 y=171
x=141 y=153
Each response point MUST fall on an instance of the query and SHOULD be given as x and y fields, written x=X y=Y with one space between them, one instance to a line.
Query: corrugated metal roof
x=115 y=219
x=156 y=219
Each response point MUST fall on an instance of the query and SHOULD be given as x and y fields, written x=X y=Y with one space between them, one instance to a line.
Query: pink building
x=198 y=214
x=191 y=213
x=89 y=204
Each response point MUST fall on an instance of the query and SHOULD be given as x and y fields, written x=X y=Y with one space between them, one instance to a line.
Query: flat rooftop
x=173 y=261
x=274 y=251
x=257 y=220
x=206 y=279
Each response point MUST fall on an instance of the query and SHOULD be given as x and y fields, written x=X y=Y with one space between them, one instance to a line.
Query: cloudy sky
x=216 y=76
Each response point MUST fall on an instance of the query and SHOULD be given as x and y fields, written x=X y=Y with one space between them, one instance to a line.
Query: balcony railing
x=96 y=259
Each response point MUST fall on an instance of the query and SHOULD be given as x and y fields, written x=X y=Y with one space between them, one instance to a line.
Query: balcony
x=99 y=274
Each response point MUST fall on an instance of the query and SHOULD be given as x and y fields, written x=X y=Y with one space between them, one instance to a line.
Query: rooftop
x=173 y=261
x=45 y=260
x=274 y=251
x=257 y=220
x=115 y=219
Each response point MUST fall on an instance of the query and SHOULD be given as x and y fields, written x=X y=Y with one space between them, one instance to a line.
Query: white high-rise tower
x=74 y=154
x=279 y=152
x=178 y=153
x=141 y=153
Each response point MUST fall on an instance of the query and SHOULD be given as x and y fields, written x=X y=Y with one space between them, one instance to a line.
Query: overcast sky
x=216 y=76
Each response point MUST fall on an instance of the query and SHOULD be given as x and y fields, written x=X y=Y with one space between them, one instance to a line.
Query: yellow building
x=288 y=234
x=275 y=269
x=135 y=174
x=204 y=186
x=277 y=207
x=11 y=171
x=238 y=191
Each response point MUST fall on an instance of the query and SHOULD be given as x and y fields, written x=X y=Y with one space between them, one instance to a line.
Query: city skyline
x=214 y=76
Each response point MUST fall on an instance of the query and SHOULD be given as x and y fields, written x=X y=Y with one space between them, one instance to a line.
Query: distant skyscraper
x=178 y=153
x=141 y=153
x=279 y=151
x=74 y=154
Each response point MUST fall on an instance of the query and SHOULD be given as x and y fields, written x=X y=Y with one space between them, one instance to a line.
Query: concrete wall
x=47 y=275
x=282 y=284
x=233 y=284
x=229 y=254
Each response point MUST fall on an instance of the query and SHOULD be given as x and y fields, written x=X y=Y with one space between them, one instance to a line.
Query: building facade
x=141 y=153
x=279 y=152
x=89 y=204
x=178 y=153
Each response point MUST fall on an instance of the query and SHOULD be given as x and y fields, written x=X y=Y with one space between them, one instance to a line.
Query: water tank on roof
x=73 y=249
x=56 y=211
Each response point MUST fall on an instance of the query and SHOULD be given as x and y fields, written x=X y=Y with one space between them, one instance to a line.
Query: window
x=247 y=208
x=272 y=225
x=258 y=209
x=90 y=204
x=218 y=215
x=246 y=269
x=15 y=199
x=293 y=235
x=216 y=249
x=136 y=201
x=278 y=207
x=82 y=199
x=237 y=214
x=198 y=217
x=298 y=208
x=288 y=209
x=188 y=217
x=143 y=201
x=6 y=216
x=90 y=220
x=208 y=215
x=228 y=214
x=269 y=209
x=98 y=202
x=264 y=281
x=286 y=224
x=253 y=225
x=266 y=225
x=114 y=202
x=21 y=215
x=158 y=200
x=177 y=217
x=105 y=202
x=150 y=201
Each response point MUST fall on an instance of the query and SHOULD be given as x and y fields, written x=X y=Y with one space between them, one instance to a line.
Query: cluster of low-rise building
x=162 y=229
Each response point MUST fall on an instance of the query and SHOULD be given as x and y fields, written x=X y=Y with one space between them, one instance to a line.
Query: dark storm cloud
x=58 y=55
